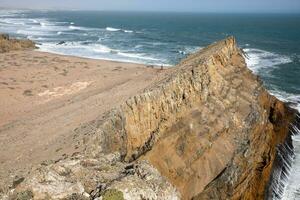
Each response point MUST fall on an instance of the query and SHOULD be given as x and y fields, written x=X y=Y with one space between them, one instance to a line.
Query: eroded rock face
x=210 y=127
x=208 y=131
x=7 y=44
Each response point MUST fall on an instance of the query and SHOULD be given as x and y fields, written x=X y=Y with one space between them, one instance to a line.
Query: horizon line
x=153 y=11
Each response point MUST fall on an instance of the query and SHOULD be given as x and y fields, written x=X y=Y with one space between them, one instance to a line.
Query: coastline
x=44 y=97
x=90 y=107
x=59 y=108
x=158 y=65
x=209 y=115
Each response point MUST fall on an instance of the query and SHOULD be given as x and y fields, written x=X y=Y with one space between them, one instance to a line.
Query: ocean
x=271 y=41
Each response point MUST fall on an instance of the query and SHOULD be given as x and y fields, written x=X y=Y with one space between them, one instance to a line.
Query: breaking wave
x=111 y=29
x=97 y=51
x=264 y=60
x=292 y=99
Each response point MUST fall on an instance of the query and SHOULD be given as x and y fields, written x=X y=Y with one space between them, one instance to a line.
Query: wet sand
x=45 y=98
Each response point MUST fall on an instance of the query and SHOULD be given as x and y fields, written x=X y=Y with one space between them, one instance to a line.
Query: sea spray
x=284 y=165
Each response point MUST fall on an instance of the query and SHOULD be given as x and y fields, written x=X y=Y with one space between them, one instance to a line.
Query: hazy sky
x=162 y=5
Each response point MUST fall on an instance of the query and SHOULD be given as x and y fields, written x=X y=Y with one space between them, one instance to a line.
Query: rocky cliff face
x=207 y=131
x=7 y=44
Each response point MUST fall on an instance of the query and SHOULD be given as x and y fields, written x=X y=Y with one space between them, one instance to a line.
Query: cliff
x=207 y=131
x=7 y=44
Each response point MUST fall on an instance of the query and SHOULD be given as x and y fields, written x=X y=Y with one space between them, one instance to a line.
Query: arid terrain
x=74 y=128
x=45 y=97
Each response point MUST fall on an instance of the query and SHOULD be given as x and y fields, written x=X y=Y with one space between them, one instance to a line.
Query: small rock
x=17 y=181
x=60 y=43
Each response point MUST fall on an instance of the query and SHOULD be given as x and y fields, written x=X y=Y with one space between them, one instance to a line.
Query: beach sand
x=45 y=97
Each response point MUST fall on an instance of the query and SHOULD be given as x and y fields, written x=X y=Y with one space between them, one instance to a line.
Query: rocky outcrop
x=207 y=131
x=89 y=178
x=7 y=44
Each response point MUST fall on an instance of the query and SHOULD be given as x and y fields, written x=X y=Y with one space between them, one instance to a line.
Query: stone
x=17 y=180
x=61 y=43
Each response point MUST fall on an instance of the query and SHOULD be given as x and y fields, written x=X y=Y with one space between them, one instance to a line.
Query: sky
x=223 y=6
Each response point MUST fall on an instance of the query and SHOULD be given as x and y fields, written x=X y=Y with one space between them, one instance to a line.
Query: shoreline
x=104 y=59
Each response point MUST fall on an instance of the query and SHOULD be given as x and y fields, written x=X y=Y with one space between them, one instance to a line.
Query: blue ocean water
x=272 y=42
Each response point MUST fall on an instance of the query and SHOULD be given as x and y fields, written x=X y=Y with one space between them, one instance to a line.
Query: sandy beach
x=45 y=98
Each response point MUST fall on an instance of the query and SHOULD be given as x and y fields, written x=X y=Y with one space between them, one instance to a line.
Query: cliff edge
x=207 y=131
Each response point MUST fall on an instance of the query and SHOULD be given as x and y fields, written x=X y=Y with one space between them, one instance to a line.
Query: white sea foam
x=139 y=46
x=101 y=48
x=43 y=24
x=32 y=32
x=259 y=59
x=75 y=28
x=128 y=31
x=76 y=49
x=98 y=51
x=137 y=56
x=293 y=99
x=34 y=21
x=112 y=29
x=292 y=188
x=79 y=28
x=290 y=183
x=30 y=28
x=13 y=21
x=82 y=28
